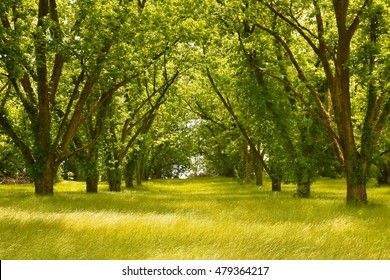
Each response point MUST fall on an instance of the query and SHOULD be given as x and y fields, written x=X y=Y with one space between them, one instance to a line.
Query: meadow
x=203 y=219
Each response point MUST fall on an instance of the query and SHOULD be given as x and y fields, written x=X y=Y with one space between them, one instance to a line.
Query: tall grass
x=214 y=218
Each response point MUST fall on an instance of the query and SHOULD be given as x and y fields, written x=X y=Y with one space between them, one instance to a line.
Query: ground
x=206 y=218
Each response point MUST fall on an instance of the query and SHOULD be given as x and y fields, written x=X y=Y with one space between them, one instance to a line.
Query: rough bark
x=355 y=169
x=356 y=173
x=44 y=177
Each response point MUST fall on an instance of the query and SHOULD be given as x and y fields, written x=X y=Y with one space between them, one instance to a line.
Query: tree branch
x=355 y=23
x=240 y=126
x=298 y=27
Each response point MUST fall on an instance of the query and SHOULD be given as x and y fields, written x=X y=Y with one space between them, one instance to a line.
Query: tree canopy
x=154 y=89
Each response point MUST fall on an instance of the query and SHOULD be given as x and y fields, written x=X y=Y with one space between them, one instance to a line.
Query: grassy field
x=204 y=218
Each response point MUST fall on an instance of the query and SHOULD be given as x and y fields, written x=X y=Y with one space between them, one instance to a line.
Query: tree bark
x=44 y=178
x=92 y=173
x=258 y=167
x=303 y=189
x=92 y=183
x=355 y=168
x=356 y=173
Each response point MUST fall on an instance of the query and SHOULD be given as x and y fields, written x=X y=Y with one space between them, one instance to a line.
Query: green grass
x=204 y=218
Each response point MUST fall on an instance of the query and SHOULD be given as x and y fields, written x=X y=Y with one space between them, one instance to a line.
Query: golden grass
x=213 y=218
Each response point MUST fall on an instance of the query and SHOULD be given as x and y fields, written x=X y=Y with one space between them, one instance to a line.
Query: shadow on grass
x=198 y=219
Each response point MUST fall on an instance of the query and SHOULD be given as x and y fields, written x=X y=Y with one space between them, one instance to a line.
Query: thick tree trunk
x=356 y=173
x=92 y=179
x=355 y=167
x=356 y=193
x=92 y=183
x=44 y=179
x=44 y=184
x=303 y=189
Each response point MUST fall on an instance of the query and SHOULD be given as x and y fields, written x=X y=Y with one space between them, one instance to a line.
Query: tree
x=243 y=121
x=214 y=133
x=170 y=144
x=54 y=54
x=170 y=42
x=136 y=117
x=327 y=33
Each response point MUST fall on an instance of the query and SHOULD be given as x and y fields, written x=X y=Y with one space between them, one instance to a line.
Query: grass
x=208 y=218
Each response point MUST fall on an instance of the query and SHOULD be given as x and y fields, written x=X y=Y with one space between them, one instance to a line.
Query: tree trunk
x=129 y=182
x=258 y=167
x=303 y=189
x=44 y=185
x=275 y=174
x=355 y=167
x=246 y=163
x=129 y=173
x=44 y=180
x=276 y=185
x=91 y=171
x=92 y=183
x=139 y=170
x=356 y=173
x=114 y=178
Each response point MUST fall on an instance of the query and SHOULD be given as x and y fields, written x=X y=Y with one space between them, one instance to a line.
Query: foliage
x=10 y=160
x=155 y=88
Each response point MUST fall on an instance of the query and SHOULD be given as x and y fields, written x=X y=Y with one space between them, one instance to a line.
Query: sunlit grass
x=204 y=218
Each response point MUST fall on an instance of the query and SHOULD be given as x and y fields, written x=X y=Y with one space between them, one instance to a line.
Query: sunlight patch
x=341 y=224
